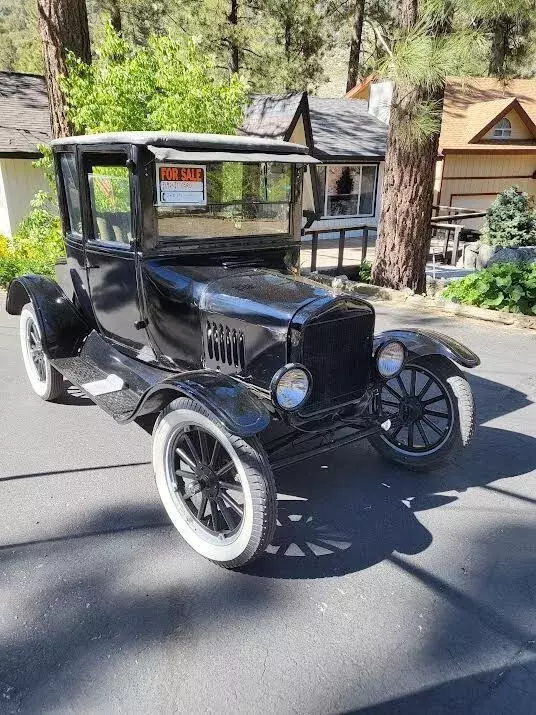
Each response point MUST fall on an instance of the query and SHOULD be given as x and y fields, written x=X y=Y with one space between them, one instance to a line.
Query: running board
x=113 y=380
x=84 y=373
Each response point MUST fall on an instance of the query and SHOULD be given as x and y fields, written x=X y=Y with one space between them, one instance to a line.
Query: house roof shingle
x=344 y=129
x=24 y=114
x=341 y=128
x=470 y=104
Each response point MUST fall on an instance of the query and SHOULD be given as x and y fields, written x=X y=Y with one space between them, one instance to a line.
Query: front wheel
x=217 y=488
x=433 y=413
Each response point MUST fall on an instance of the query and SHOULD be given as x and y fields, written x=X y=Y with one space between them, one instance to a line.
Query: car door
x=110 y=244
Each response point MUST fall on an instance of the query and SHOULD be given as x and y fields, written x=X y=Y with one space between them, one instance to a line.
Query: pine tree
x=63 y=27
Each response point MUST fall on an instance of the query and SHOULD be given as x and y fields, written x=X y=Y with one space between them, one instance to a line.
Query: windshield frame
x=153 y=243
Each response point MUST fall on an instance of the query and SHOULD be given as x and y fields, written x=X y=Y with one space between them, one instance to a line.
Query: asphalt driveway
x=382 y=592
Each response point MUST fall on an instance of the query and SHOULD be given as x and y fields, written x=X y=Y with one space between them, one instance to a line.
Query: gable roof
x=361 y=87
x=336 y=129
x=271 y=115
x=472 y=106
x=24 y=114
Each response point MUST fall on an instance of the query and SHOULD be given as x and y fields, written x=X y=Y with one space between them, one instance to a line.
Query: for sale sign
x=180 y=185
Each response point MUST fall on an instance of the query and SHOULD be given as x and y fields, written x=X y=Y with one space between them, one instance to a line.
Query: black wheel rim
x=420 y=408
x=207 y=481
x=35 y=349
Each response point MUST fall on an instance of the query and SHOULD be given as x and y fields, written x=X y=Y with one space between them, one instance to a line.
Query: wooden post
x=446 y=244
x=314 y=250
x=342 y=238
x=364 y=244
x=455 y=245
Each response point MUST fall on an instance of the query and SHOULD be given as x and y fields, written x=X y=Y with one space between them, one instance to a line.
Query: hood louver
x=224 y=347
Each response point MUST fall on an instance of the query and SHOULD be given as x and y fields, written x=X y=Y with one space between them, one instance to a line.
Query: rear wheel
x=217 y=488
x=44 y=379
x=433 y=413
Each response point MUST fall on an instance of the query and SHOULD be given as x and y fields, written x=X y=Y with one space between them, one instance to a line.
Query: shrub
x=511 y=220
x=35 y=246
x=503 y=286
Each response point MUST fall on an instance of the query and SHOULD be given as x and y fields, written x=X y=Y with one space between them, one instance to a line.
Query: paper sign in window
x=181 y=185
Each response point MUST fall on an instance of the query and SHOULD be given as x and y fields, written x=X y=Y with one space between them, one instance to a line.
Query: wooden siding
x=484 y=175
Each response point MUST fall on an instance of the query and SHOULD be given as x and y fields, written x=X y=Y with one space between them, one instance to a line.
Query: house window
x=349 y=189
x=503 y=129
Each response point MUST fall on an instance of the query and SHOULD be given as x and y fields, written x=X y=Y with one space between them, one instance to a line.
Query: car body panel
x=63 y=328
x=429 y=342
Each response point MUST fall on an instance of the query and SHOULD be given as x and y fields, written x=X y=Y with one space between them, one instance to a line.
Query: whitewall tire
x=44 y=379
x=217 y=488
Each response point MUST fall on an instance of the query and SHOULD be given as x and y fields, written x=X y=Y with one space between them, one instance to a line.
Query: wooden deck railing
x=365 y=229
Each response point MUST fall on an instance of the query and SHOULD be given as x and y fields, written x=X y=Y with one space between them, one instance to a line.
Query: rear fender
x=234 y=406
x=428 y=342
x=63 y=329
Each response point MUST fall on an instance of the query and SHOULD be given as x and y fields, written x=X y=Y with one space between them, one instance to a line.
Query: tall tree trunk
x=406 y=211
x=115 y=15
x=408 y=186
x=63 y=27
x=355 y=46
x=234 y=59
x=500 y=46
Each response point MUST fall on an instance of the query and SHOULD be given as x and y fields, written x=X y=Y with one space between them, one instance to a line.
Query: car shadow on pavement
x=347 y=511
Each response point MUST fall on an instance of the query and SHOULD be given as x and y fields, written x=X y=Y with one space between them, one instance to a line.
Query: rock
x=470 y=255
x=528 y=253
x=485 y=253
x=339 y=282
x=506 y=255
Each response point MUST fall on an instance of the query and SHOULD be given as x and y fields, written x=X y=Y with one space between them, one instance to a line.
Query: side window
x=72 y=192
x=109 y=189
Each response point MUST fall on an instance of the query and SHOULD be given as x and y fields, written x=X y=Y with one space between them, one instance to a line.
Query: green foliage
x=511 y=220
x=36 y=245
x=503 y=286
x=20 y=49
x=166 y=85
x=365 y=272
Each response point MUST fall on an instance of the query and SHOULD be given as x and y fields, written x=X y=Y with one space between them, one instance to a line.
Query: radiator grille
x=225 y=345
x=338 y=353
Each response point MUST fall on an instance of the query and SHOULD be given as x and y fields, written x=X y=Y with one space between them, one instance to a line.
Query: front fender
x=63 y=328
x=236 y=408
x=428 y=342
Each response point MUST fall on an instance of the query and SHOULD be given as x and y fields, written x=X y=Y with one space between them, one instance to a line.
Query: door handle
x=89 y=266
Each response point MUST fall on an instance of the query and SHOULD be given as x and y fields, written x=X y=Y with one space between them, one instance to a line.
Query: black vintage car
x=180 y=302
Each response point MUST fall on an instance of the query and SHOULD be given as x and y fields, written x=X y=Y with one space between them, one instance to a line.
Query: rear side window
x=109 y=188
x=72 y=191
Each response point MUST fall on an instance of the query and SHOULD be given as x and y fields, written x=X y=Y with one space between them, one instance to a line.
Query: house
x=24 y=124
x=487 y=141
x=345 y=189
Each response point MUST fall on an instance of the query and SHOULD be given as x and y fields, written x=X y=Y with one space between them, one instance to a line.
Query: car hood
x=253 y=295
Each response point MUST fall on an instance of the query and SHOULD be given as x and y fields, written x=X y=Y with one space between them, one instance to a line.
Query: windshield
x=225 y=199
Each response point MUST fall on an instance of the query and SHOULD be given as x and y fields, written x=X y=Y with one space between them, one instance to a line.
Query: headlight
x=390 y=358
x=291 y=387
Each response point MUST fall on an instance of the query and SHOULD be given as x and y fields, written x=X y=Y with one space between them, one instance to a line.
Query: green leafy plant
x=503 y=286
x=166 y=85
x=36 y=245
x=365 y=272
x=511 y=220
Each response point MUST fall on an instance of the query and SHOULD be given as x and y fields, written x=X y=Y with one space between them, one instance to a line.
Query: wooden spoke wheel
x=432 y=410
x=217 y=488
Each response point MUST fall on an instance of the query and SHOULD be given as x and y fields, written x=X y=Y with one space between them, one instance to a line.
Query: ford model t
x=180 y=298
